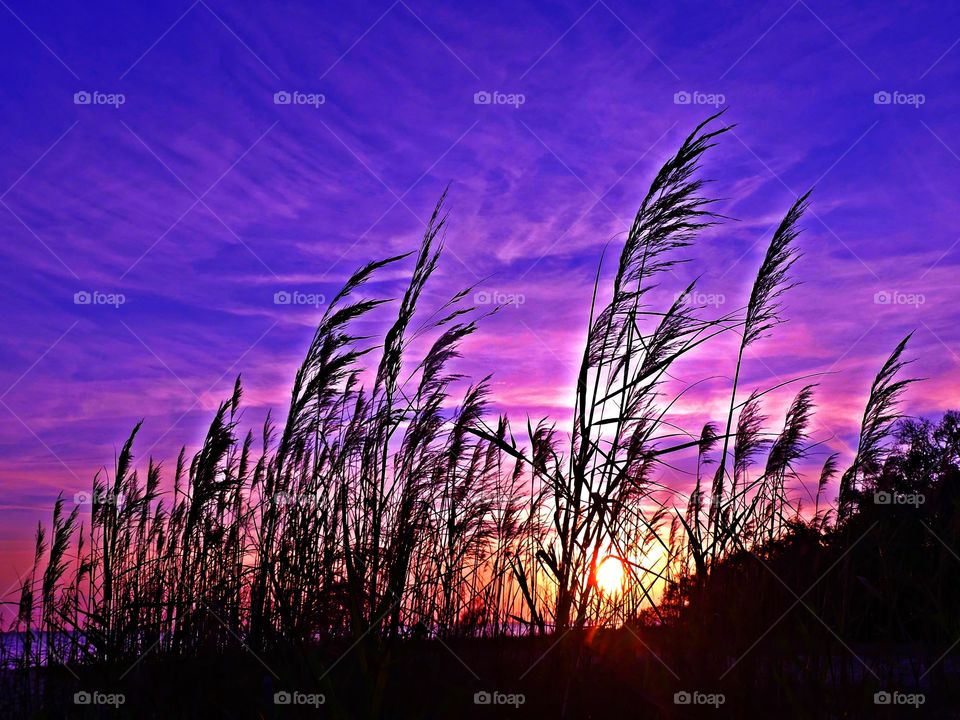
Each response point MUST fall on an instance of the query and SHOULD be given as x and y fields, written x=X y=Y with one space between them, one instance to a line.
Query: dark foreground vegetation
x=389 y=550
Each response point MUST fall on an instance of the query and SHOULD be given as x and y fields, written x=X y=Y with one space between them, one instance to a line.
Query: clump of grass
x=879 y=416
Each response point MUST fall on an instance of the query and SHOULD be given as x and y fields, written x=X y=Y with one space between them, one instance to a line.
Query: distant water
x=12 y=645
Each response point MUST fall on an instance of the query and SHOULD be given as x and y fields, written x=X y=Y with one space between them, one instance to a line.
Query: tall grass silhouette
x=401 y=508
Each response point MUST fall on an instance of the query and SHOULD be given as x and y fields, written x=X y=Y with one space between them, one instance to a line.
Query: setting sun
x=610 y=575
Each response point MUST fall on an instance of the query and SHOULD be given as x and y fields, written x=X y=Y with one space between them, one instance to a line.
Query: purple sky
x=198 y=198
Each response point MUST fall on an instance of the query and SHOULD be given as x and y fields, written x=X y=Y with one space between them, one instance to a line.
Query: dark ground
x=611 y=673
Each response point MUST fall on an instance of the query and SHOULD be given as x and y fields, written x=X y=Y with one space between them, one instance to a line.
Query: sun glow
x=610 y=576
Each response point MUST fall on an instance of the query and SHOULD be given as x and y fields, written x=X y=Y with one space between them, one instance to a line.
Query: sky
x=169 y=168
